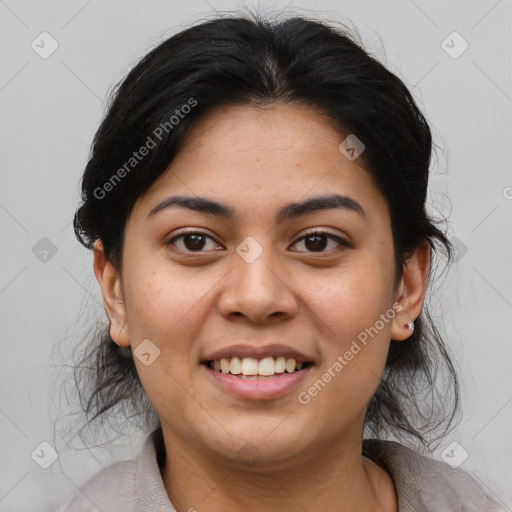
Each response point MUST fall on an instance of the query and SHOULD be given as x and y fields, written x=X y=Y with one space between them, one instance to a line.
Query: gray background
x=50 y=110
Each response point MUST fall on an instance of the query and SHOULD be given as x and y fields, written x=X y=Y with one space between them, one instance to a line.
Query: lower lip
x=262 y=389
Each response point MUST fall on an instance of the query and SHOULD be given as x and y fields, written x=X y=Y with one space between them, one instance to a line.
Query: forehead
x=288 y=135
x=248 y=155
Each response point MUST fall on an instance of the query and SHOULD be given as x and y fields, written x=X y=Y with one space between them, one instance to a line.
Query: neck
x=339 y=479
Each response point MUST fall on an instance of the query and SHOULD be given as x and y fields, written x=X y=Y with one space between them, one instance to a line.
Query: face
x=305 y=297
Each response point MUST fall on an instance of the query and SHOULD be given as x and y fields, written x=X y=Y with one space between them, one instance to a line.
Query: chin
x=260 y=446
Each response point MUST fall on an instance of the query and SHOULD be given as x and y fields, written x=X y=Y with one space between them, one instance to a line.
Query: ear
x=411 y=291
x=111 y=289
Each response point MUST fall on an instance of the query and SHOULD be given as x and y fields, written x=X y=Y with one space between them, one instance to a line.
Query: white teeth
x=224 y=365
x=280 y=365
x=249 y=366
x=236 y=366
x=290 y=365
x=266 y=366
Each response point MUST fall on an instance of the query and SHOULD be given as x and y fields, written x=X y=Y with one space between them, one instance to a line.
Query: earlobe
x=111 y=289
x=411 y=291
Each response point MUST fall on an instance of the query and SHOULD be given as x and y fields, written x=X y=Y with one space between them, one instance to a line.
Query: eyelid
x=344 y=242
x=322 y=231
x=192 y=231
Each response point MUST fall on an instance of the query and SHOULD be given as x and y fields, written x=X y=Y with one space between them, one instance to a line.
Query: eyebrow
x=288 y=212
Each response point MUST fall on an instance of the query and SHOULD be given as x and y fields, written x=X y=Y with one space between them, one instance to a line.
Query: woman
x=255 y=201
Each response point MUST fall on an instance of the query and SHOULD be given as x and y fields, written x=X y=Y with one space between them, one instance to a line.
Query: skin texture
x=315 y=300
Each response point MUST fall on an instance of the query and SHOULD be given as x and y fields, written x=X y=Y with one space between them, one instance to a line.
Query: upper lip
x=258 y=352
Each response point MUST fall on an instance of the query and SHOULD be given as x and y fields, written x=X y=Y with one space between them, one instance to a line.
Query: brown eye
x=317 y=241
x=192 y=241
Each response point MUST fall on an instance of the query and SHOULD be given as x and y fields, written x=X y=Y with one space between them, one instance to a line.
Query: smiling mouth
x=250 y=368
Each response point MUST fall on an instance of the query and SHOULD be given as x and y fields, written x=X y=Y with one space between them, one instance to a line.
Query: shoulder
x=113 y=485
x=424 y=484
x=125 y=485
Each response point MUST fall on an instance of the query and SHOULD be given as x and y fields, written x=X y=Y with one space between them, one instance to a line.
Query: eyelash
x=344 y=243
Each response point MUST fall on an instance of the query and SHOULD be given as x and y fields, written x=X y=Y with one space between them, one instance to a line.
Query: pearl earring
x=410 y=326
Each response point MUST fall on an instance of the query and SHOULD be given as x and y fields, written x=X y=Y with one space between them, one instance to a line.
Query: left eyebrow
x=287 y=212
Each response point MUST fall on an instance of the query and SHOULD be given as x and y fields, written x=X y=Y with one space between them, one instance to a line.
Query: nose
x=258 y=291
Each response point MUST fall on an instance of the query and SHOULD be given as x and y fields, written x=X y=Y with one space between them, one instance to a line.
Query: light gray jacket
x=423 y=484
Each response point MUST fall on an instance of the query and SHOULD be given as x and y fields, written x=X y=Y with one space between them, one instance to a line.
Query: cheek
x=352 y=299
x=167 y=308
x=355 y=316
x=353 y=362
x=166 y=305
